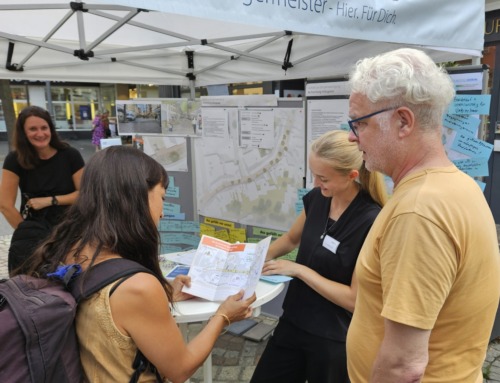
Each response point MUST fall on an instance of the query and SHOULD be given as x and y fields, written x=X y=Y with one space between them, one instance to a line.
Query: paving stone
x=247 y=373
x=494 y=376
x=250 y=349
x=234 y=346
x=247 y=360
x=219 y=351
x=229 y=373
x=232 y=361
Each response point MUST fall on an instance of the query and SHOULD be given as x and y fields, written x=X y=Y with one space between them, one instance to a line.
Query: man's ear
x=406 y=121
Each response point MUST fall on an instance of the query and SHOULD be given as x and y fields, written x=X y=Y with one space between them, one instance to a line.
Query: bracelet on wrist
x=226 y=318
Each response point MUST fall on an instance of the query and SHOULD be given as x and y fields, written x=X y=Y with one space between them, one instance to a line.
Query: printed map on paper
x=220 y=269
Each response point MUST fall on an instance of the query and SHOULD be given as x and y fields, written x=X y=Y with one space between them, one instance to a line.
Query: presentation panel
x=250 y=164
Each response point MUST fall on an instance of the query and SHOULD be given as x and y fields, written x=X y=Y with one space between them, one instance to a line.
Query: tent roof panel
x=127 y=46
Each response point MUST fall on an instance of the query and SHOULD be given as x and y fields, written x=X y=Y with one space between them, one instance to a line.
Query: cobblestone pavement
x=491 y=367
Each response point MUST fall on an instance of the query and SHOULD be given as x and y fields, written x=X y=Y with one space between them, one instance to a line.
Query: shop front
x=73 y=106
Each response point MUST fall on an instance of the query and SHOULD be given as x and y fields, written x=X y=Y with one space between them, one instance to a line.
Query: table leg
x=207 y=364
x=256 y=311
x=184 y=331
x=207 y=369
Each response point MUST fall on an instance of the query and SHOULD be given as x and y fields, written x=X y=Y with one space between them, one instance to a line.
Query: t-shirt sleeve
x=418 y=265
x=75 y=159
x=10 y=163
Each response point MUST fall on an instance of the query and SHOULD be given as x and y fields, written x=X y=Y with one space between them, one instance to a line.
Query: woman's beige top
x=106 y=353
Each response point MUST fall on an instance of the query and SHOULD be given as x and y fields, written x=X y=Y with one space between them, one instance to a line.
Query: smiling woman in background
x=47 y=171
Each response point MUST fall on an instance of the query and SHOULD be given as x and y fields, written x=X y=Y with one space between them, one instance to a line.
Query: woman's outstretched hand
x=281 y=266
x=236 y=308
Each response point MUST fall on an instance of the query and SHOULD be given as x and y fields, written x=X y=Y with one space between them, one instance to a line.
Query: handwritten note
x=171 y=208
x=222 y=234
x=173 y=191
x=169 y=249
x=219 y=222
x=207 y=229
x=184 y=226
x=237 y=235
x=266 y=232
x=299 y=206
x=302 y=192
x=463 y=124
x=176 y=216
x=180 y=238
x=475 y=167
x=470 y=104
x=472 y=146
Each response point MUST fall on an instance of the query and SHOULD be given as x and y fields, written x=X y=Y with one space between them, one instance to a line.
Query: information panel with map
x=246 y=180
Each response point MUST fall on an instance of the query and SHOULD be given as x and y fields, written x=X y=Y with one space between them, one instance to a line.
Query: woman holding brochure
x=116 y=216
x=309 y=342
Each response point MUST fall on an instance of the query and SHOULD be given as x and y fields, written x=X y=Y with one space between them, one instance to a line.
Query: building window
x=74 y=107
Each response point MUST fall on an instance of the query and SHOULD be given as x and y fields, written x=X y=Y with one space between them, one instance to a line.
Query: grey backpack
x=38 y=341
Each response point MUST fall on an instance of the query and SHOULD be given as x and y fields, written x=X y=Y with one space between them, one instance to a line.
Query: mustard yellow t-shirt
x=430 y=261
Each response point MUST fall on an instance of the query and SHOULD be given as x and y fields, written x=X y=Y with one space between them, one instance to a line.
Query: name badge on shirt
x=331 y=244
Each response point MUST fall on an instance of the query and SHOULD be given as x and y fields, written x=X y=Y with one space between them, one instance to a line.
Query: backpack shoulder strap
x=102 y=274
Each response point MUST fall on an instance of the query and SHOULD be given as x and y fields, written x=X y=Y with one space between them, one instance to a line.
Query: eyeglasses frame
x=351 y=122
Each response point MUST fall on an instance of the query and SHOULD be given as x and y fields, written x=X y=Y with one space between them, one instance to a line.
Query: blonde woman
x=309 y=342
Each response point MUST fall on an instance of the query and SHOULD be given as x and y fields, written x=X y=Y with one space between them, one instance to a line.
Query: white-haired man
x=428 y=272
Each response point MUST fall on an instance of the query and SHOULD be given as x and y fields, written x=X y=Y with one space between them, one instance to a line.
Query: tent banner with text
x=421 y=22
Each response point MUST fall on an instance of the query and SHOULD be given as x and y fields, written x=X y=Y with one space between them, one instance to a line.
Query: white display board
x=243 y=179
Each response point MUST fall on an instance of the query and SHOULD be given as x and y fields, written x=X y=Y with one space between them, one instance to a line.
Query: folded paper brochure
x=220 y=268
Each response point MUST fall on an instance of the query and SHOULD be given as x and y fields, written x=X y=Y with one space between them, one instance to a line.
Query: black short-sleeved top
x=51 y=177
x=304 y=307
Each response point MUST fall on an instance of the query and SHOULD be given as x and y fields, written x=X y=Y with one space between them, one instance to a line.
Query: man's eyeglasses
x=353 y=124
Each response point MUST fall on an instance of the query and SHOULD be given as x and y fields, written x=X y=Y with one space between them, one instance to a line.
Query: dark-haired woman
x=46 y=170
x=116 y=216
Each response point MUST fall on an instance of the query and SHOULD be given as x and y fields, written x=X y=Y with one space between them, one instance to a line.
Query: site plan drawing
x=171 y=152
x=249 y=185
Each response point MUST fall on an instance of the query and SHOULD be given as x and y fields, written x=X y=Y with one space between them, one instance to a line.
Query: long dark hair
x=26 y=154
x=111 y=213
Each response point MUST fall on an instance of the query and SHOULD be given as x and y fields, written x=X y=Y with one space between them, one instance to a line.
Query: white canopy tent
x=203 y=42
